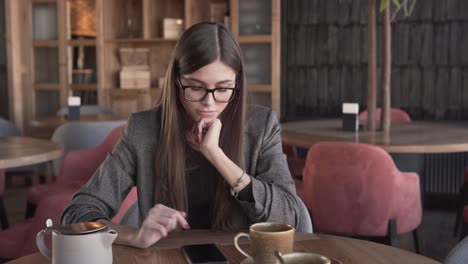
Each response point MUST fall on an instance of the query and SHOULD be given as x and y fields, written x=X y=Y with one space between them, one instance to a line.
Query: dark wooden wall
x=324 y=58
x=3 y=66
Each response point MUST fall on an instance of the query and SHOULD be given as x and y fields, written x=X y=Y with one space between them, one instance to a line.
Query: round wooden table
x=413 y=137
x=344 y=250
x=21 y=151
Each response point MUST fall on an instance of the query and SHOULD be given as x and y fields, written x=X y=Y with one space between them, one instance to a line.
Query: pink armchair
x=77 y=168
x=3 y=215
x=355 y=189
x=396 y=115
x=462 y=208
x=296 y=165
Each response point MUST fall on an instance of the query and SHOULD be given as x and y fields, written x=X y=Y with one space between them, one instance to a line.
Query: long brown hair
x=199 y=46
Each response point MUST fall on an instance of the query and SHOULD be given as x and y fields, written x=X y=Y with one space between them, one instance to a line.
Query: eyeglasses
x=197 y=93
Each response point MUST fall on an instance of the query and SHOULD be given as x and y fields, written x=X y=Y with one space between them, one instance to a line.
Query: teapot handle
x=41 y=244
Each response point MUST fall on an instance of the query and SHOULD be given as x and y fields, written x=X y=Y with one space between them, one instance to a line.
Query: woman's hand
x=204 y=136
x=161 y=220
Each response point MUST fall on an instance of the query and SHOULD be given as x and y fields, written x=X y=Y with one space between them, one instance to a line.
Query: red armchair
x=462 y=208
x=296 y=165
x=355 y=189
x=465 y=223
x=77 y=168
x=396 y=115
x=3 y=215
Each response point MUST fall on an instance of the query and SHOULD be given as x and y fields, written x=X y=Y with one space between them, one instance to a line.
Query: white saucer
x=247 y=261
x=250 y=261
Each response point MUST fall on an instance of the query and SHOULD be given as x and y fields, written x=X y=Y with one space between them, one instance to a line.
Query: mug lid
x=80 y=228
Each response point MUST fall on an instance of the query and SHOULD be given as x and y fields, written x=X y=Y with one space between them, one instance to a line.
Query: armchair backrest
x=8 y=129
x=88 y=110
x=81 y=135
x=396 y=115
x=459 y=254
x=351 y=188
x=79 y=165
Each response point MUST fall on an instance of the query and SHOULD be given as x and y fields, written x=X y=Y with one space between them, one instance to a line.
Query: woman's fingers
x=160 y=221
x=161 y=213
x=182 y=221
x=200 y=126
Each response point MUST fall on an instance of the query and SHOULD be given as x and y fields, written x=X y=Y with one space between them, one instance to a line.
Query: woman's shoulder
x=257 y=112
x=152 y=115
x=259 y=117
x=145 y=123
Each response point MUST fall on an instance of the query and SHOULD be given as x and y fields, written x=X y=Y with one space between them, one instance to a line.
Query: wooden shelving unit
x=46 y=87
x=44 y=51
x=82 y=42
x=149 y=40
x=260 y=42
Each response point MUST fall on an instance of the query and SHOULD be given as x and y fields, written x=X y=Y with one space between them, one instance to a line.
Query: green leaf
x=396 y=3
x=383 y=5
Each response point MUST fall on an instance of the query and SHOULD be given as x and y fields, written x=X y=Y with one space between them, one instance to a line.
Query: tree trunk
x=386 y=71
x=372 y=69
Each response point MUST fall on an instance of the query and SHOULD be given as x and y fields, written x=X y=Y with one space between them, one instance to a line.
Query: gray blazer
x=132 y=161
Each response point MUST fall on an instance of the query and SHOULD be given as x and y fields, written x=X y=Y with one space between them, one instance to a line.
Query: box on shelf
x=172 y=27
x=135 y=72
x=218 y=12
x=161 y=81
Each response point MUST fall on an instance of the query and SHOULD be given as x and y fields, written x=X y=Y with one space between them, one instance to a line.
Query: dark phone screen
x=204 y=253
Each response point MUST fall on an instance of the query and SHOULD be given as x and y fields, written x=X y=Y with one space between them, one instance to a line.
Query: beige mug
x=266 y=238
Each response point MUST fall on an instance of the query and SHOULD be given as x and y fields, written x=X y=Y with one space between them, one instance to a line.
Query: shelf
x=255 y=39
x=83 y=86
x=46 y=86
x=141 y=40
x=44 y=1
x=45 y=43
x=120 y=91
x=82 y=42
x=259 y=88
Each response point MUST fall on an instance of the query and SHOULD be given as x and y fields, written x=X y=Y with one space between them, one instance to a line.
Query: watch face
x=80 y=228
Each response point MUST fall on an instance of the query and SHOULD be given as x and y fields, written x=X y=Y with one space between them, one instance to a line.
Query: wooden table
x=413 y=137
x=22 y=151
x=345 y=250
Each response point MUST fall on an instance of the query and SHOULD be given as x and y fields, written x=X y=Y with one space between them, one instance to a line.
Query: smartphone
x=203 y=253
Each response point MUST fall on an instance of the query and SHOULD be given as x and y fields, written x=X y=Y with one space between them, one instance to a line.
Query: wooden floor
x=435 y=232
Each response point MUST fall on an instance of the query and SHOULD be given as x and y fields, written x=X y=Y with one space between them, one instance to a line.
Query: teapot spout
x=108 y=238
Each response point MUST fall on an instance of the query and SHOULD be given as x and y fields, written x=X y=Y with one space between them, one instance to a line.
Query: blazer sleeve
x=102 y=195
x=273 y=188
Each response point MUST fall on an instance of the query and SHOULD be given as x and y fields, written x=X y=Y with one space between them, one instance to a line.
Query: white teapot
x=88 y=242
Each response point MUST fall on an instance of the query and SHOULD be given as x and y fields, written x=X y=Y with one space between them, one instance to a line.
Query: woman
x=200 y=159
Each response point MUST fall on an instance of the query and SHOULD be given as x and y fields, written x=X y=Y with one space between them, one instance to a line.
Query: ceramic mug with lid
x=88 y=242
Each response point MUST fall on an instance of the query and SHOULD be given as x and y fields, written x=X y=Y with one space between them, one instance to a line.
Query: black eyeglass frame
x=207 y=91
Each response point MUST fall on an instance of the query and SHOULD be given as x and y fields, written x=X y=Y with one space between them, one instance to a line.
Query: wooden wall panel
x=325 y=42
